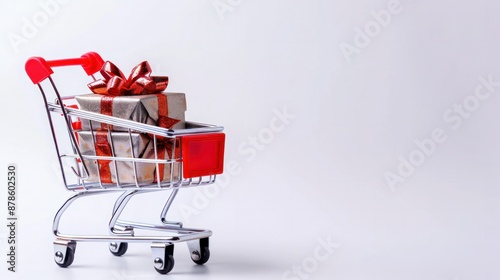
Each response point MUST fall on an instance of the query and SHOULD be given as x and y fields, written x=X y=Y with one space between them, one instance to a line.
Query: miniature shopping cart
x=197 y=156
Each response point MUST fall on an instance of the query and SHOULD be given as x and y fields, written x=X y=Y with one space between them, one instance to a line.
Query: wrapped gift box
x=139 y=108
x=91 y=143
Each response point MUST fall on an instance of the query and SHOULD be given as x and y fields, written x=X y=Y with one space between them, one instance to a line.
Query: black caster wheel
x=67 y=259
x=163 y=257
x=202 y=255
x=205 y=255
x=168 y=263
x=118 y=248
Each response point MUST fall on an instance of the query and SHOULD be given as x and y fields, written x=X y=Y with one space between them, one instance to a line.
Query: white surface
x=322 y=174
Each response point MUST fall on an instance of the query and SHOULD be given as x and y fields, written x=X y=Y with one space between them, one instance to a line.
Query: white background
x=322 y=175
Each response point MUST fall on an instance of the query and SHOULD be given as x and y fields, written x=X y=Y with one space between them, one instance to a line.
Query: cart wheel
x=202 y=255
x=118 y=248
x=163 y=257
x=69 y=257
x=205 y=255
x=168 y=264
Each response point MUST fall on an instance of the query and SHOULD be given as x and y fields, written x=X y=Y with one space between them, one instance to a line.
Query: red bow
x=140 y=81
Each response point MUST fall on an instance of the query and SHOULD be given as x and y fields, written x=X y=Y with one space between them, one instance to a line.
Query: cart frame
x=121 y=232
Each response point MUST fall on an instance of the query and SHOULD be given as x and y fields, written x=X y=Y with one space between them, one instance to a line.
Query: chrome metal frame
x=120 y=230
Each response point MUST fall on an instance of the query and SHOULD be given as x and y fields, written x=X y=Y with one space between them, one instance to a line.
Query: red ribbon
x=102 y=148
x=162 y=142
x=139 y=81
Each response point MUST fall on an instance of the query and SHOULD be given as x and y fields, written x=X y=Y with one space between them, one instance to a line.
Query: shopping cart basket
x=197 y=156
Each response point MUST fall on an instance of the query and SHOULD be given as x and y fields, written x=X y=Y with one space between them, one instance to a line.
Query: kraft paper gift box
x=91 y=143
x=140 y=108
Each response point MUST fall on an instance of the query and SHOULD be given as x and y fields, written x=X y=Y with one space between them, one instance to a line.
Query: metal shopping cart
x=197 y=157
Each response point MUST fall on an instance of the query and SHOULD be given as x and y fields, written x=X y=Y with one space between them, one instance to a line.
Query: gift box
x=101 y=143
x=139 y=98
x=162 y=109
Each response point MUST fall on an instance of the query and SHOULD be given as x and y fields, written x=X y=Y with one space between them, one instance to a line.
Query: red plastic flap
x=203 y=154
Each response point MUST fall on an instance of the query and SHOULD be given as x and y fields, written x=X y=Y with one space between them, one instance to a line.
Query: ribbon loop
x=141 y=69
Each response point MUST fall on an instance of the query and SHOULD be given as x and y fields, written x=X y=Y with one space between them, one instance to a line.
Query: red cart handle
x=39 y=69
